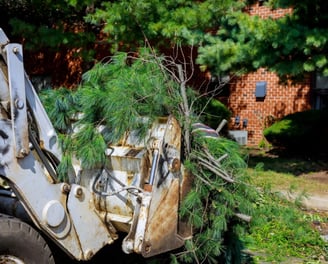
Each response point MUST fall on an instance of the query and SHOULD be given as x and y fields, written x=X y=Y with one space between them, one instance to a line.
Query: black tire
x=20 y=243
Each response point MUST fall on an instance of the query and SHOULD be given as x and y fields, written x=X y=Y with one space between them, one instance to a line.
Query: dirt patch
x=319 y=176
x=321 y=225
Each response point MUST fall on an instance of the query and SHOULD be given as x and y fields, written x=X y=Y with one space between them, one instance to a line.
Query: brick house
x=257 y=99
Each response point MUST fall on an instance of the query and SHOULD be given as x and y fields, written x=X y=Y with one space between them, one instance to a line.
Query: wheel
x=21 y=244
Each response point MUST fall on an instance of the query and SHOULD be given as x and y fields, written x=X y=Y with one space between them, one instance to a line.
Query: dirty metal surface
x=16 y=83
x=171 y=183
x=3 y=38
x=44 y=200
x=83 y=214
x=161 y=234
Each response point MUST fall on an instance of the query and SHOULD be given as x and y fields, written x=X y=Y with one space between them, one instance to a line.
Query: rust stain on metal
x=184 y=229
x=145 y=168
x=161 y=234
x=117 y=210
x=133 y=152
x=176 y=165
x=130 y=176
x=186 y=184
x=175 y=130
x=129 y=205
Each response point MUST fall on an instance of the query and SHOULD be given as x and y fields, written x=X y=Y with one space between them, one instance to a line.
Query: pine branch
x=207 y=162
x=214 y=170
x=209 y=184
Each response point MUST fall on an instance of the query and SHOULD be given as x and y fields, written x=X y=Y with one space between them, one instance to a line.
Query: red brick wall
x=279 y=101
x=264 y=12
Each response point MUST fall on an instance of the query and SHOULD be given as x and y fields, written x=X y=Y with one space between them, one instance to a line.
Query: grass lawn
x=309 y=175
x=282 y=232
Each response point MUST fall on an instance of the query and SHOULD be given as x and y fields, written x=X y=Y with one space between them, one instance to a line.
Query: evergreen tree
x=291 y=46
x=229 y=39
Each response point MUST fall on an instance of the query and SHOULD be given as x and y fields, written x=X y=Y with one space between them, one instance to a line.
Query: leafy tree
x=50 y=25
x=161 y=22
x=127 y=22
x=291 y=46
x=229 y=39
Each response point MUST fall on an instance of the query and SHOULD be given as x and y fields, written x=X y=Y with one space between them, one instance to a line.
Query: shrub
x=302 y=131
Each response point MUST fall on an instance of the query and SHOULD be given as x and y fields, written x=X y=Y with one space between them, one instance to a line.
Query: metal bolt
x=148 y=248
x=175 y=165
x=65 y=188
x=128 y=246
x=23 y=152
x=78 y=191
x=155 y=144
x=88 y=254
x=19 y=104
x=15 y=50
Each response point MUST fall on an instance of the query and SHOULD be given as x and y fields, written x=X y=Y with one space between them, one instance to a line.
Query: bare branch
x=222 y=157
x=185 y=107
x=204 y=181
x=221 y=125
x=191 y=64
x=214 y=169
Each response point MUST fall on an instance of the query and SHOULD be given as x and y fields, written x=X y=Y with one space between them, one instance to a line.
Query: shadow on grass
x=283 y=161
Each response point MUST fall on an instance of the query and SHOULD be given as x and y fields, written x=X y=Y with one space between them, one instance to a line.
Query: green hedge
x=302 y=131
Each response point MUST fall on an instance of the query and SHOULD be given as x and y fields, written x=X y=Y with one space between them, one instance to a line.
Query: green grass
x=285 y=173
x=280 y=230
x=285 y=181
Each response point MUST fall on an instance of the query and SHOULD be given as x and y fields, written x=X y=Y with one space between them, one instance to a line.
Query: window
x=260 y=90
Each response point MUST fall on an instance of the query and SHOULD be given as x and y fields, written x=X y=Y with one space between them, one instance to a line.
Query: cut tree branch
x=185 y=108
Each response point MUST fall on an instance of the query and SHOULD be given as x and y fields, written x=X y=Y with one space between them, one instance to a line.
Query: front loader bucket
x=156 y=226
x=164 y=230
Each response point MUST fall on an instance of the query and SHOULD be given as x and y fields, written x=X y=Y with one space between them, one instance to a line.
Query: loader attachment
x=156 y=225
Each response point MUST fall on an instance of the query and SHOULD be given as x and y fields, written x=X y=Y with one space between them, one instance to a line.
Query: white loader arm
x=28 y=169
